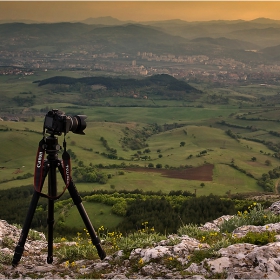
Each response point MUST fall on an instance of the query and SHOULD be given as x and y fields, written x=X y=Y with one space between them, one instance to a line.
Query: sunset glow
x=50 y=11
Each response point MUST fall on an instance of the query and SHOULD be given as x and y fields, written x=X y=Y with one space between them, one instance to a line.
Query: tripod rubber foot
x=14 y=264
x=101 y=252
x=49 y=259
x=17 y=255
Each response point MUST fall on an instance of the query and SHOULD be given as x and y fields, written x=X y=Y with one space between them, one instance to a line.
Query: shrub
x=258 y=238
x=255 y=215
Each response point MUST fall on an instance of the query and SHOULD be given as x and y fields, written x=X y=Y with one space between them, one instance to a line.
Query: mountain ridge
x=113 y=20
x=174 y=37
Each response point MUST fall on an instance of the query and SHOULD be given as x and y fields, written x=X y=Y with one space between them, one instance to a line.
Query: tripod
x=44 y=168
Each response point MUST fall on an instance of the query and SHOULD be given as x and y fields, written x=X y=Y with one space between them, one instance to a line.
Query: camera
x=56 y=122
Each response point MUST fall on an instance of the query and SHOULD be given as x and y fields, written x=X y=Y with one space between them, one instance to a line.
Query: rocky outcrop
x=167 y=259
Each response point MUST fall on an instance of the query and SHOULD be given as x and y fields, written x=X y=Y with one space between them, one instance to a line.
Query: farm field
x=17 y=157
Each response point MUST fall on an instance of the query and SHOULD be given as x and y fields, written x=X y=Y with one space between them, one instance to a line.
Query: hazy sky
x=54 y=11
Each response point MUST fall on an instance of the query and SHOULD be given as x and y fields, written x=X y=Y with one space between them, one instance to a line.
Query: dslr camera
x=56 y=123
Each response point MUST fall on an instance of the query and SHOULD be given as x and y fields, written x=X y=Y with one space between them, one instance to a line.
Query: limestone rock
x=275 y=207
x=167 y=259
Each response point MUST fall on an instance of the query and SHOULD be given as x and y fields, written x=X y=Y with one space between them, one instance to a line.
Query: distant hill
x=272 y=52
x=35 y=33
x=129 y=37
x=161 y=85
x=225 y=42
x=264 y=37
x=232 y=29
x=27 y=21
x=106 y=34
x=137 y=37
x=265 y=21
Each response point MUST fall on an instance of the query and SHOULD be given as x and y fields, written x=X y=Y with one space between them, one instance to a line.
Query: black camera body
x=56 y=123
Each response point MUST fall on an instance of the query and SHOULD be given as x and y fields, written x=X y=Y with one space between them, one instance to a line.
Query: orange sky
x=53 y=11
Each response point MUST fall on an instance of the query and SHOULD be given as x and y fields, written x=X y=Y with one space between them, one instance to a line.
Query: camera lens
x=78 y=124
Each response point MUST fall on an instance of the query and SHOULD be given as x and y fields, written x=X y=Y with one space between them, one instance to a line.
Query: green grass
x=158 y=115
x=233 y=180
x=99 y=214
x=19 y=146
x=15 y=183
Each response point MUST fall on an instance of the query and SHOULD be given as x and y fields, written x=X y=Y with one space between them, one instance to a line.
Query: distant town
x=190 y=68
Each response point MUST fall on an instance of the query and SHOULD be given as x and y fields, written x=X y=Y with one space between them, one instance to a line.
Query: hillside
x=161 y=85
x=113 y=36
x=205 y=252
x=64 y=35
x=272 y=52
x=263 y=37
x=225 y=42
x=251 y=31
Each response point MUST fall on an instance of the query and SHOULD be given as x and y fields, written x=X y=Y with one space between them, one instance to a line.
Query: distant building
x=144 y=72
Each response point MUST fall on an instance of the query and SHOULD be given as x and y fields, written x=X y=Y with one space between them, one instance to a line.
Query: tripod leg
x=52 y=191
x=78 y=202
x=26 y=226
x=25 y=229
x=50 y=222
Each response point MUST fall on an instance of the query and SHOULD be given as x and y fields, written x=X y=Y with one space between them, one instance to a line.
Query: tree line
x=167 y=219
x=165 y=212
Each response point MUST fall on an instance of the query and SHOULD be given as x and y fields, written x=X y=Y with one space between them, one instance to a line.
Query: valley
x=171 y=116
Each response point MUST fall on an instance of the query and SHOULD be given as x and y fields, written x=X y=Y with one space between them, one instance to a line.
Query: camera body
x=56 y=123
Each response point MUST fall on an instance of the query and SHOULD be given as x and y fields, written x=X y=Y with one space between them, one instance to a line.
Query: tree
x=253 y=158
x=182 y=144
x=268 y=162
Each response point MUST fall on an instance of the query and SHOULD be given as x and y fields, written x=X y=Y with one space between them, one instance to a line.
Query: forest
x=162 y=80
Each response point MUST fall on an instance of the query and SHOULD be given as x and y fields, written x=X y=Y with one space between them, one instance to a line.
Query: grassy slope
x=221 y=149
x=97 y=213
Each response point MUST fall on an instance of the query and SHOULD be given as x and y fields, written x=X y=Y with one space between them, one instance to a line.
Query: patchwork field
x=191 y=147
x=201 y=173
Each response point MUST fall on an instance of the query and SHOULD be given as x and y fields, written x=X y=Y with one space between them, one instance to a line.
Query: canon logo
x=39 y=161
x=67 y=171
